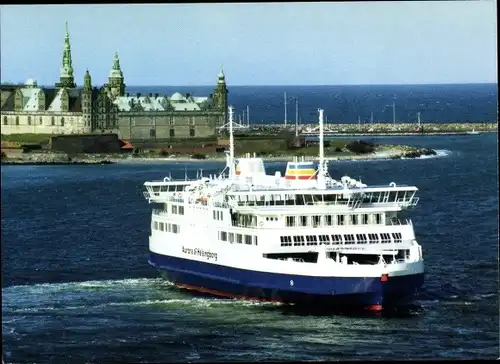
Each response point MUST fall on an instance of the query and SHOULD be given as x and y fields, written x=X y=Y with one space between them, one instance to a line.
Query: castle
x=68 y=109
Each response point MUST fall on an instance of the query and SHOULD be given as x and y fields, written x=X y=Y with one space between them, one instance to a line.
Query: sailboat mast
x=296 y=117
x=394 y=113
x=284 y=96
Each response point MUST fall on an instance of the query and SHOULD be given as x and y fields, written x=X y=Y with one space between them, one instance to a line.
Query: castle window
x=172 y=132
x=41 y=120
x=172 y=120
x=191 y=121
x=53 y=121
x=5 y=121
x=191 y=132
x=29 y=120
x=62 y=121
x=152 y=133
x=17 y=120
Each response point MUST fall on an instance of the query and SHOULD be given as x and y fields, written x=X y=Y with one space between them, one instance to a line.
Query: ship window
x=181 y=210
x=311 y=240
x=365 y=219
x=378 y=218
x=255 y=240
x=290 y=221
x=354 y=219
x=303 y=221
x=231 y=238
x=340 y=219
x=361 y=238
x=349 y=238
x=239 y=238
x=316 y=220
x=248 y=239
x=215 y=215
x=386 y=238
x=298 y=240
x=336 y=239
x=169 y=228
x=156 y=225
x=324 y=239
x=397 y=237
x=162 y=226
x=328 y=220
x=175 y=229
x=223 y=236
x=174 y=209
x=373 y=238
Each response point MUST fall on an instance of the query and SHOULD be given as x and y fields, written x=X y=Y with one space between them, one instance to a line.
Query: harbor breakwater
x=389 y=128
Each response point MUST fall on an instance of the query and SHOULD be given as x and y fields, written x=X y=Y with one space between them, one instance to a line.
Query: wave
x=50 y=297
x=47 y=287
x=439 y=153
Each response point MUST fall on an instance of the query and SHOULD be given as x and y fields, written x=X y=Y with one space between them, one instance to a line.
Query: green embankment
x=26 y=138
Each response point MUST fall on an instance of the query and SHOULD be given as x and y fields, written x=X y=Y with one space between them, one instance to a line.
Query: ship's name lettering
x=200 y=253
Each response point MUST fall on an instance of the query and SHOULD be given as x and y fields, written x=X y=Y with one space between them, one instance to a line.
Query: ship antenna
x=231 y=144
x=321 y=169
x=185 y=172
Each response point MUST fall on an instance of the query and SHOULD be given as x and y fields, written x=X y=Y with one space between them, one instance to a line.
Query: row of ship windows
x=328 y=220
x=238 y=238
x=337 y=239
x=167 y=227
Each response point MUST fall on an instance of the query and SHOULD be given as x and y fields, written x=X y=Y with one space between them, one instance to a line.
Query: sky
x=338 y=43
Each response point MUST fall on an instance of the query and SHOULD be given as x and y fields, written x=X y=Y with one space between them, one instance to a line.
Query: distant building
x=179 y=116
x=68 y=109
x=63 y=109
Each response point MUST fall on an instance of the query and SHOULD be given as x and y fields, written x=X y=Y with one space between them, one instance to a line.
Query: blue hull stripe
x=349 y=291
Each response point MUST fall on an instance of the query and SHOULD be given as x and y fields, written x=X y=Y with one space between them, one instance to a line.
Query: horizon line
x=278 y=85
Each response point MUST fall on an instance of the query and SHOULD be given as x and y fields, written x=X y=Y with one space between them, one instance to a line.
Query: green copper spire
x=116 y=71
x=66 y=78
x=87 y=81
x=221 y=75
x=116 y=62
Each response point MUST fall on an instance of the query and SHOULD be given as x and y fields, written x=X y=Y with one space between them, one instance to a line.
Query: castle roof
x=31 y=99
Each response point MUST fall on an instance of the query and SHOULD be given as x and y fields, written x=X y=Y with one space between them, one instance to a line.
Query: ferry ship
x=303 y=238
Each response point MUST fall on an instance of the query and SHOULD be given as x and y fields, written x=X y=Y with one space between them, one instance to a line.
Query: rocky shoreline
x=381 y=152
x=37 y=159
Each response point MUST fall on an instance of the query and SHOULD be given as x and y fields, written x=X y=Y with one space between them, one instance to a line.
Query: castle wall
x=159 y=125
x=43 y=123
x=105 y=143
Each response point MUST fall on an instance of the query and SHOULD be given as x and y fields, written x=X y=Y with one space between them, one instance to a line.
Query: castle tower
x=66 y=78
x=116 y=84
x=221 y=92
x=87 y=101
